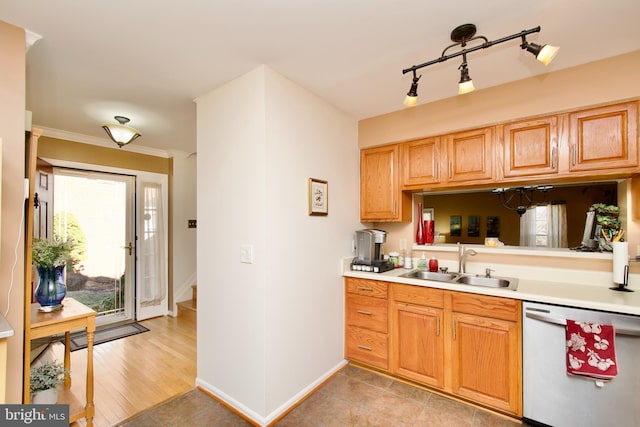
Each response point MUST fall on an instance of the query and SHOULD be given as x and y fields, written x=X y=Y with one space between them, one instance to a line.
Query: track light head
x=465 y=85
x=544 y=53
x=412 y=96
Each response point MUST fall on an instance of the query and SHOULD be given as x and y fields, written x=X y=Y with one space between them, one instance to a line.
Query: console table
x=74 y=315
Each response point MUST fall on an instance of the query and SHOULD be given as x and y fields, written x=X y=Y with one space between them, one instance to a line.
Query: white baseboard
x=270 y=418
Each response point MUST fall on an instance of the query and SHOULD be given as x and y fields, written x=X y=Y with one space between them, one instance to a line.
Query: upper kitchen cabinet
x=469 y=156
x=421 y=162
x=604 y=138
x=530 y=147
x=381 y=198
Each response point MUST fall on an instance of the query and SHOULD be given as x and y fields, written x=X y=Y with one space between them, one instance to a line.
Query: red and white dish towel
x=591 y=350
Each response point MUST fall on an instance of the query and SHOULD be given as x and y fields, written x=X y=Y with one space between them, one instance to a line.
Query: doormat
x=105 y=334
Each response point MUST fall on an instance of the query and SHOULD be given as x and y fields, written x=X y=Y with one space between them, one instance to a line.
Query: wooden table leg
x=90 y=409
x=67 y=359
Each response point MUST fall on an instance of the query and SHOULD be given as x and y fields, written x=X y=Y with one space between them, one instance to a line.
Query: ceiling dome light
x=120 y=133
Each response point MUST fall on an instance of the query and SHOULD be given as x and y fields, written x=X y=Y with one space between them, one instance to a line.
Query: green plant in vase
x=50 y=259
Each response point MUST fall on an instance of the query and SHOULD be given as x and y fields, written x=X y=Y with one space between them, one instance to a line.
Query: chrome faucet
x=462 y=257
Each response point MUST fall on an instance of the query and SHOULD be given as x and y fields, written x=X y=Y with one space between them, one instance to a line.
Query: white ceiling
x=148 y=60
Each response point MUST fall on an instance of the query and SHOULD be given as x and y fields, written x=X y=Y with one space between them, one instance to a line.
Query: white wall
x=12 y=110
x=269 y=331
x=184 y=239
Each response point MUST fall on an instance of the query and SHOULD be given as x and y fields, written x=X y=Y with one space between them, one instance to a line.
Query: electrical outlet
x=246 y=254
x=191 y=223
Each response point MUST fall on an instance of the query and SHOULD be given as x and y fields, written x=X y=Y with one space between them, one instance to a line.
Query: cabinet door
x=470 y=156
x=420 y=163
x=604 y=138
x=486 y=361
x=531 y=147
x=417 y=344
x=380 y=195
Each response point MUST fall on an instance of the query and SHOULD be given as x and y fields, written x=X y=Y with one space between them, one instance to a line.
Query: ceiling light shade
x=120 y=133
x=465 y=85
x=412 y=96
x=544 y=54
x=465 y=34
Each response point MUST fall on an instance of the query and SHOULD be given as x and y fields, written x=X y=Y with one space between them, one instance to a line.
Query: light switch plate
x=246 y=254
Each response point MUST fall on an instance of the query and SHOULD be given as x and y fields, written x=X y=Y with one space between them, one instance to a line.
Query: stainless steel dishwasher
x=552 y=397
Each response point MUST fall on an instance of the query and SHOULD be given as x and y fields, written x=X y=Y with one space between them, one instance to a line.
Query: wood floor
x=135 y=373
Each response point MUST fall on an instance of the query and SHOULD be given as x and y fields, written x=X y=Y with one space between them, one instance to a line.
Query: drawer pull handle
x=368 y=313
x=364 y=347
x=454 y=329
x=361 y=288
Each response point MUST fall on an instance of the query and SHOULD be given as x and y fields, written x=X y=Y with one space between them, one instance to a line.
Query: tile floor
x=354 y=397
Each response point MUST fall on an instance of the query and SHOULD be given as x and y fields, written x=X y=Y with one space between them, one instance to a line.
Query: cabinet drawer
x=418 y=295
x=482 y=305
x=367 y=312
x=371 y=288
x=367 y=346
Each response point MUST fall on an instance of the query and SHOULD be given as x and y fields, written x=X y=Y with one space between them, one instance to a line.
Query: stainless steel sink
x=465 y=279
x=493 y=282
x=428 y=275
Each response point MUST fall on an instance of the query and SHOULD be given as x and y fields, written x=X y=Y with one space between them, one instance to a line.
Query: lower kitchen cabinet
x=417 y=338
x=464 y=344
x=486 y=361
x=486 y=350
x=366 y=311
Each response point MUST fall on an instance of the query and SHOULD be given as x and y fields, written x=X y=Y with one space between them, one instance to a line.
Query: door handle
x=130 y=247
x=563 y=322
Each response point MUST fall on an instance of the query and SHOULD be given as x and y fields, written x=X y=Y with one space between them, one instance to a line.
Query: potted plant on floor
x=50 y=258
x=44 y=379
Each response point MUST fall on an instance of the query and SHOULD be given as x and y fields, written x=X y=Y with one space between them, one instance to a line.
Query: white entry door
x=96 y=210
x=122 y=217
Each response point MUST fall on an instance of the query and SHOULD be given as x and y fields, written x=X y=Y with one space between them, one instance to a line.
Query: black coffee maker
x=369 y=251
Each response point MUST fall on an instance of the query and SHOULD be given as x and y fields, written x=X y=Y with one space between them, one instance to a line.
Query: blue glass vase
x=51 y=289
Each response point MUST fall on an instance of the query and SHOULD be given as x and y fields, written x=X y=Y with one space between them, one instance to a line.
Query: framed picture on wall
x=473 y=226
x=318 y=197
x=455 y=225
x=44 y=181
x=493 y=226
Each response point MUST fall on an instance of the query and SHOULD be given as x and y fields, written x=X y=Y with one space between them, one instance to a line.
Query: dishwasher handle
x=563 y=322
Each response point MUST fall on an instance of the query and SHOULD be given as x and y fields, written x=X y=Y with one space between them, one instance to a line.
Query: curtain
x=544 y=226
x=528 y=227
x=557 y=229
x=153 y=286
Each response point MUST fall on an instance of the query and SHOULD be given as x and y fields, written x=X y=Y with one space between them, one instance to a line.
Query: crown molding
x=104 y=142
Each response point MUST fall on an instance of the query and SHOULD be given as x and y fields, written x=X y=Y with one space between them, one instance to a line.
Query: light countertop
x=591 y=296
x=6 y=330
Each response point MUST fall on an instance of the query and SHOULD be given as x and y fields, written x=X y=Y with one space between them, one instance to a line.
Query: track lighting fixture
x=120 y=133
x=461 y=36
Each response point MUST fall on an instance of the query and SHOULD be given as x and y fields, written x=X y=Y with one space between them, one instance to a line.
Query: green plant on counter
x=46 y=376
x=51 y=253
x=601 y=208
